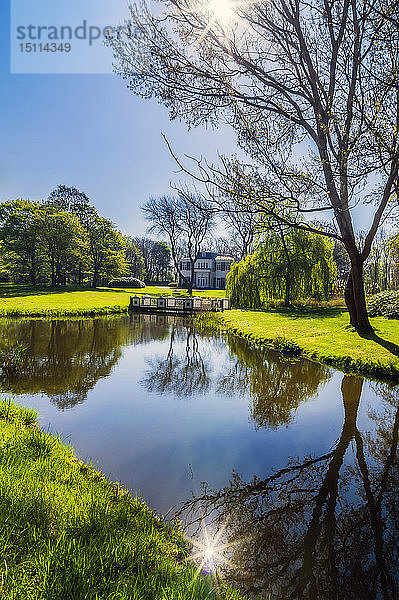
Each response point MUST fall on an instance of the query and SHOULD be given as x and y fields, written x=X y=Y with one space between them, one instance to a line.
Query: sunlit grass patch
x=29 y=301
x=322 y=334
x=68 y=532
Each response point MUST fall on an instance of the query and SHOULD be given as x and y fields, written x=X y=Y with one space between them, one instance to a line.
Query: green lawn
x=25 y=300
x=323 y=334
x=66 y=532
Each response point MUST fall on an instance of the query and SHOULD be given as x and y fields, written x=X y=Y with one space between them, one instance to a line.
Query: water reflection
x=277 y=386
x=324 y=526
x=181 y=373
x=66 y=358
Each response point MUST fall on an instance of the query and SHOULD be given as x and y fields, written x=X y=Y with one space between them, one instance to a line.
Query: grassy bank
x=29 y=301
x=66 y=533
x=322 y=334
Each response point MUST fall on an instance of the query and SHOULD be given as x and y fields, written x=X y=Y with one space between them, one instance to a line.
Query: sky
x=89 y=131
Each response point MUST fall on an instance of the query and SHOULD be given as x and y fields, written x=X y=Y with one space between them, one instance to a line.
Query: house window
x=218 y=267
x=202 y=281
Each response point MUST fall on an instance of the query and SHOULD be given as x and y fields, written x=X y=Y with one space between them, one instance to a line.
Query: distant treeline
x=65 y=241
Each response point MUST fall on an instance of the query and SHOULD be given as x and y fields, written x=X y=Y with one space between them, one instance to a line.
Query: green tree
x=21 y=235
x=106 y=251
x=134 y=258
x=5 y=263
x=105 y=257
x=74 y=201
x=69 y=199
x=161 y=260
x=64 y=242
x=288 y=265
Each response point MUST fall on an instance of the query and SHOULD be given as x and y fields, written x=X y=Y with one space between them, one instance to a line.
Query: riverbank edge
x=101 y=311
x=63 y=523
x=291 y=348
x=53 y=303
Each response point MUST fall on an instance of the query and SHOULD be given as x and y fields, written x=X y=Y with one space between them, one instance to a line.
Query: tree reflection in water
x=66 y=358
x=182 y=373
x=324 y=527
x=277 y=386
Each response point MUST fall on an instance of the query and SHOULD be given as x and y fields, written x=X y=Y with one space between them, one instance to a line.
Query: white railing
x=182 y=304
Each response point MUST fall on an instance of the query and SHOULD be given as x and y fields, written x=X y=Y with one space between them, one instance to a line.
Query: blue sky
x=91 y=132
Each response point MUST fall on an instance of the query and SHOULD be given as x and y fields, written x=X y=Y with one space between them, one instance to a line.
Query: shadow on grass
x=390 y=346
x=300 y=312
x=21 y=290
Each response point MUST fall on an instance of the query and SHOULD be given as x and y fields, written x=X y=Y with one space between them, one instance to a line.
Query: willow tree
x=322 y=74
x=287 y=266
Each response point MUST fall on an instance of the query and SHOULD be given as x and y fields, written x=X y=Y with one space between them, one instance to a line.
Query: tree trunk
x=355 y=297
x=32 y=272
x=53 y=277
x=287 y=298
x=192 y=276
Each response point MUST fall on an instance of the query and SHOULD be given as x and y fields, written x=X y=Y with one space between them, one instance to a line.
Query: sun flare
x=222 y=10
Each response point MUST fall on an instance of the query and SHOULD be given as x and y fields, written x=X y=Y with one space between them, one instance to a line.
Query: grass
x=321 y=334
x=67 y=533
x=30 y=301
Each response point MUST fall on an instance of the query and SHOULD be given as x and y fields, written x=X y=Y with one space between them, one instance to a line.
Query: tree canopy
x=185 y=220
x=287 y=266
x=59 y=241
x=309 y=87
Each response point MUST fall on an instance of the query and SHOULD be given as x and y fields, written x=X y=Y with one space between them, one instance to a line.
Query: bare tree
x=242 y=227
x=316 y=80
x=185 y=220
x=224 y=246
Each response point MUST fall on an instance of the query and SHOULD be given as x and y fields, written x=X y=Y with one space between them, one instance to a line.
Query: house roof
x=209 y=255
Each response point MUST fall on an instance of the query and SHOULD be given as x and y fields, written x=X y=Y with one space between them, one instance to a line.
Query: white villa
x=210 y=270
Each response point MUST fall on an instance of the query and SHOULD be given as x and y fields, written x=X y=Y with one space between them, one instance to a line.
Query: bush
x=385 y=304
x=286 y=347
x=126 y=282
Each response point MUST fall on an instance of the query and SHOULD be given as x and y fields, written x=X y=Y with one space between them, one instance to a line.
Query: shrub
x=14 y=360
x=384 y=304
x=286 y=347
x=126 y=282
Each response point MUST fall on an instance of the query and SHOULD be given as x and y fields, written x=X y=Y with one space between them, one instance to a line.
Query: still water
x=293 y=465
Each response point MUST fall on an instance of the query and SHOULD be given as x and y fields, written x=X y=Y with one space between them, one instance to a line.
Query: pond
x=288 y=469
